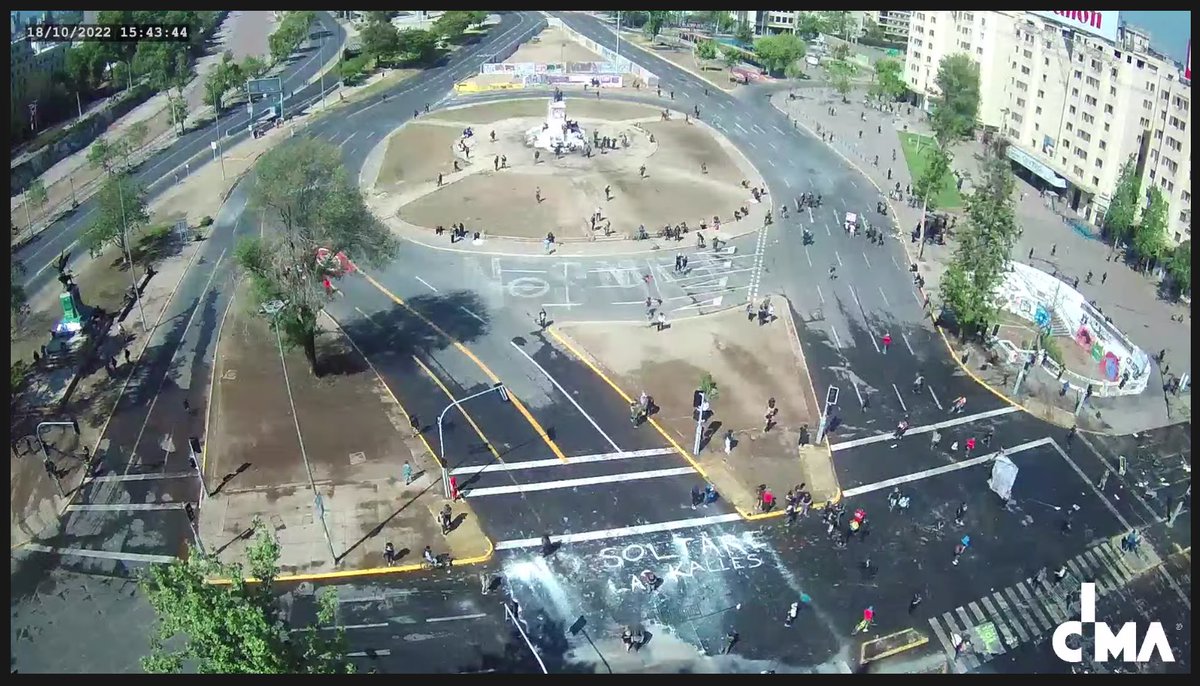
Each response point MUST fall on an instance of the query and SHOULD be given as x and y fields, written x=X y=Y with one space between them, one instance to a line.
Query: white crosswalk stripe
x=1027 y=611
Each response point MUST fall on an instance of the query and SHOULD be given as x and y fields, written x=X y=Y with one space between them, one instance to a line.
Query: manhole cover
x=357 y=458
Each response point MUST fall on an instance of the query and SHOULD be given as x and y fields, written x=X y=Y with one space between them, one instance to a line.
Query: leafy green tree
x=18 y=299
x=1150 y=234
x=718 y=21
x=795 y=70
x=1179 y=266
x=840 y=52
x=121 y=207
x=303 y=186
x=654 y=23
x=1120 y=218
x=809 y=25
x=837 y=23
x=451 y=25
x=744 y=33
x=707 y=50
x=381 y=40
x=418 y=46
x=955 y=111
x=253 y=67
x=476 y=18
x=731 y=57
x=236 y=628
x=985 y=244
x=107 y=155
x=927 y=186
x=889 y=80
x=777 y=52
x=35 y=194
x=839 y=77
x=84 y=65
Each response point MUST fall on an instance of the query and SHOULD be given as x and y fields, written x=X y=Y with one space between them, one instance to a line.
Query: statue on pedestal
x=75 y=313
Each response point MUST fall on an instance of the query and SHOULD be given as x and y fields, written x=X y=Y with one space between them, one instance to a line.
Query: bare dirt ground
x=357 y=440
x=750 y=364
x=417 y=153
x=503 y=202
x=552 y=45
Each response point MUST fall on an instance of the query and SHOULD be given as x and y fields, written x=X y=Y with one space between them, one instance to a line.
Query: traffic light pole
x=831 y=398
x=191 y=517
x=498 y=388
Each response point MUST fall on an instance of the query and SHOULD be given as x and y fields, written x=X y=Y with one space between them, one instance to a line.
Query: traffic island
x=356 y=439
x=749 y=363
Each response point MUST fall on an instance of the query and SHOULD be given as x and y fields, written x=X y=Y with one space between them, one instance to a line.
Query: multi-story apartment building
x=1074 y=104
x=893 y=24
x=768 y=22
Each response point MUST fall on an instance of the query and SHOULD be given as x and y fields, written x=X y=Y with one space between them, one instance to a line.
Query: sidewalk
x=356 y=439
x=1126 y=296
x=35 y=502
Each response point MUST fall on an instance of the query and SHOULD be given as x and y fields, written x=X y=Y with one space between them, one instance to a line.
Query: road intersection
x=565 y=460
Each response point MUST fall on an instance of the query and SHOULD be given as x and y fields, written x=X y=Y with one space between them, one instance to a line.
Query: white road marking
x=808 y=257
x=524 y=271
x=569 y=397
x=629 y=302
x=828 y=231
x=1099 y=494
x=740 y=127
x=857 y=392
x=133 y=458
x=885 y=300
x=906 y=343
x=935 y=398
x=606 y=534
x=839 y=258
x=770 y=162
x=555 y=462
x=426 y=283
x=125 y=507
x=945 y=469
x=574 y=483
x=786 y=182
x=900 y=398
x=349 y=138
x=894 y=261
x=820 y=294
x=349 y=627
x=455 y=618
x=566 y=305
x=781 y=133
x=866 y=325
x=868 y=260
x=958 y=421
x=481 y=319
x=382 y=652
x=836 y=341
x=101 y=554
x=140 y=477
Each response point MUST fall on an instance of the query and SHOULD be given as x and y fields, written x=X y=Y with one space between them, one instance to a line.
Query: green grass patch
x=916 y=150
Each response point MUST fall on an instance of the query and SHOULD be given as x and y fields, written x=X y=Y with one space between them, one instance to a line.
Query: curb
x=566 y=342
x=908 y=255
x=372 y=571
x=212 y=383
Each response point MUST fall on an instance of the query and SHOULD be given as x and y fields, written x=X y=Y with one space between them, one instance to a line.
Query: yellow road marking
x=461 y=409
x=516 y=402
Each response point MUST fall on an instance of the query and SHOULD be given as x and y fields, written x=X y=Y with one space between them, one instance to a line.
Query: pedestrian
x=769 y=416
x=407 y=473
x=697 y=496
x=608 y=192
x=537 y=194
x=635 y=413
x=804 y=499
x=504 y=161
x=389 y=554
x=1075 y=284
x=678 y=264
x=790 y=513
x=455 y=495
x=1103 y=277
x=768 y=500
x=187 y=407
x=731 y=638
x=662 y=321
x=1053 y=249
x=496 y=163
x=916 y=600
x=1088 y=277
x=547 y=545
x=970 y=446
x=1060 y=574
x=445 y=518
x=1031 y=254
x=935 y=439
x=729 y=441
x=987 y=437
x=960 y=513
x=750 y=311
x=642 y=171
x=832 y=272
x=1071 y=435
x=918 y=383
x=960 y=548
x=126 y=351
x=887 y=342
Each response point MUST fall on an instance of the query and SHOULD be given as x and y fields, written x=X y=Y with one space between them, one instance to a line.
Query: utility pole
x=831 y=398
x=137 y=294
x=618 y=36
x=79 y=104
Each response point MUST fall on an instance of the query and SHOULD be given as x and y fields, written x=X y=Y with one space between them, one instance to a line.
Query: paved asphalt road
x=187 y=153
x=727 y=574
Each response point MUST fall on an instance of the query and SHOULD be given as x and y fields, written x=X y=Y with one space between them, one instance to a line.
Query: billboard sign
x=1101 y=23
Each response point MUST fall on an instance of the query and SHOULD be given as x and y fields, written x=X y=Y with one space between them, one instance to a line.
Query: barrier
x=1038 y=297
x=621 y=64
x=470 y=86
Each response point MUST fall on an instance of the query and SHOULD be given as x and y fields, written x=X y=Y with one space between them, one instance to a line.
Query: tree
x=929 y=184
x=381 y=40
x=809 y=25
x=107 y=154
x=451 y=25
x=476 y=17
x=889 y=79
x=35 y=195
x=1179 y=266
x=253 y=67
x=1150 y=234
x=837 y=23
x=985 y=244
x=121 y=209
x=957 y=108
x=214 y=89
x=304 y=188
x=779 y=51
x=18 y=299
x=840 y=52
x=1122 y=209
x=794 y=70
x=236 y=628
x=731 y=57
x=707 y=50
x=839 y=76
x=718 y=21
x=654 y=23
x=744 y=34
x=418 y=45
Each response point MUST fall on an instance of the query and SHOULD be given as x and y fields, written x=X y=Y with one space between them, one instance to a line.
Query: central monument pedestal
x=557 y=132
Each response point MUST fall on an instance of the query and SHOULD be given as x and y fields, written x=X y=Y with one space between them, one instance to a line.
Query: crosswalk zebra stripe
x=1107 y=584
x=1021 y=606
x=967 y=659
x=981 y=618
x=966 y=621
x=1046 y=620
x=1000 y=621
x=1081 y=575
x=1007 y=610
x=1045 y=599
x=1119 y=556
x=1114 y=564
x=947 y=646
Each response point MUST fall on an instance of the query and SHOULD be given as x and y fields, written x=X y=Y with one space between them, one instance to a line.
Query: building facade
x=32 y=63
x=893 y=24
x=1074 y=105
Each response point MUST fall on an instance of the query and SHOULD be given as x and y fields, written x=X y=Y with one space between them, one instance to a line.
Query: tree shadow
x=378 y=528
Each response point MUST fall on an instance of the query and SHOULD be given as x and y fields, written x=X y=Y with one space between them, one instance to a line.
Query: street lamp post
x=273 y=309
x=137 y=294
x=498 y=388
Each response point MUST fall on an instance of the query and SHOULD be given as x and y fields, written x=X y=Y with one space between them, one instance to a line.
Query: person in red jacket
x=970 y=446
x=887 y=342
